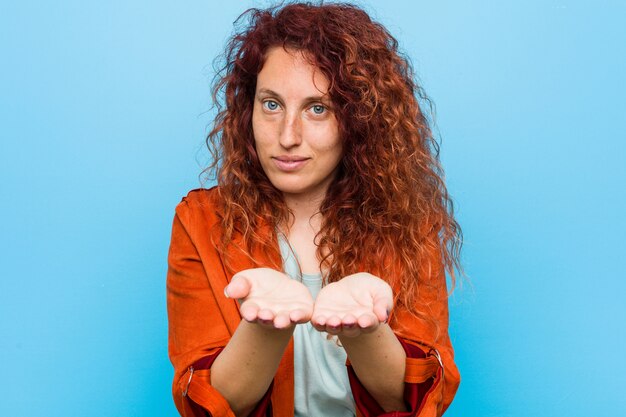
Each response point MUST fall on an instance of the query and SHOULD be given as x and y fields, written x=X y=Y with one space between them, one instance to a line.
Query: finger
x=368 y=322
x=265 y=319
x=266 y=316
x=381 y=311
x=352 y=331
x=319 y=322
x=249 y=311
x=333 y=325
x=239 y=287
x=382 y=306
x=334 y=330
x=282 y=320
x=318 y=327
x=333 y=321
x=299 y=316
x=349 y=321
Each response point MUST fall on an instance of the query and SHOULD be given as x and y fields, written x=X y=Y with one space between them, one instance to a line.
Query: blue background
x=104 y=107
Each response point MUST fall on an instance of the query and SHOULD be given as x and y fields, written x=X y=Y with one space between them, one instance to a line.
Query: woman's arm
x=252 y=355
x=202 y=323
x=271 y=305
x=378 y=360
x=356 y=309
x=406 y=365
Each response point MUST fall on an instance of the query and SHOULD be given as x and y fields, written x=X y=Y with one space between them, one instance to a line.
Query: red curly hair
x=388 y=211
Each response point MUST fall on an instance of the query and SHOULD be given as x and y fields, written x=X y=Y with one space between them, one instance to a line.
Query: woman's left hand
x=356 y=304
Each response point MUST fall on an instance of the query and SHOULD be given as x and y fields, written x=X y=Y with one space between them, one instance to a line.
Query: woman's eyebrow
x=267 y=91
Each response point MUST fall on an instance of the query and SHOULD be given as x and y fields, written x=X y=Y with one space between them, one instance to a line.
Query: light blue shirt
x=320 y=377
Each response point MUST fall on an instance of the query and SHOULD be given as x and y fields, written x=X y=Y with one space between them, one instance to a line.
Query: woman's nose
x=291 y=132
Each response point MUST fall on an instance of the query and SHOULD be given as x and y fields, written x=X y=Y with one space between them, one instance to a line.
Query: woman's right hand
x=270 y=298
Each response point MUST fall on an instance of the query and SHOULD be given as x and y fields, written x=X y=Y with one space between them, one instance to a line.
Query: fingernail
x=226 y=293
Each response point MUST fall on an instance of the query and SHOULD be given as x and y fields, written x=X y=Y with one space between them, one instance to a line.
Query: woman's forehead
x=289 y=70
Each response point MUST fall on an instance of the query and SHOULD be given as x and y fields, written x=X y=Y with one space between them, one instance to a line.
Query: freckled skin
x=293 y=117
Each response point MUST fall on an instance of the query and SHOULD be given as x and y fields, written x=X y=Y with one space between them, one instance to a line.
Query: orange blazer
x=202 y=320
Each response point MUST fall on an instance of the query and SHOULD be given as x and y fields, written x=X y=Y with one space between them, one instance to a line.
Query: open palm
x=356 y=304
x=270 y=298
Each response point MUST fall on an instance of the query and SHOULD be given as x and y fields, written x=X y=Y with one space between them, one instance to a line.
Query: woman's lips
x=289 y=163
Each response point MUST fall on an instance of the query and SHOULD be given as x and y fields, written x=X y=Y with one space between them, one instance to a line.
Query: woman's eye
x=270 y=105
x=318 y=109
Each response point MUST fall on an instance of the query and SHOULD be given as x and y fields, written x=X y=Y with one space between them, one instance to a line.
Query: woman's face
x=295 y=130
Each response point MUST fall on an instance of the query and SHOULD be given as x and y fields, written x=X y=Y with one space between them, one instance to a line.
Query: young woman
x=312 y=280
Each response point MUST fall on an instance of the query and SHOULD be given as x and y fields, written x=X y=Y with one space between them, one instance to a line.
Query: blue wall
x=104 y=108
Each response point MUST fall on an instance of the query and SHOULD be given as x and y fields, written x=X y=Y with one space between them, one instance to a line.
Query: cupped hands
x=356 y=304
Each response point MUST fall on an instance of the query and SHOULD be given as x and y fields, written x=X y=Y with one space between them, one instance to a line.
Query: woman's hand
x=356 y=304
x=270 y=298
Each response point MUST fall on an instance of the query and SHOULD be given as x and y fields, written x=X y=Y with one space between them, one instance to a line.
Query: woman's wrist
x=379 y=361
x=253 y=355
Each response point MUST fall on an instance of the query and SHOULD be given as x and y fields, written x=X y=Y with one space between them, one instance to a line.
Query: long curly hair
x=388 y=211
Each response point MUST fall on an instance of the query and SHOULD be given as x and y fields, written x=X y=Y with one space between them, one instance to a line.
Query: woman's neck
x=304 y=209
x=302 y=232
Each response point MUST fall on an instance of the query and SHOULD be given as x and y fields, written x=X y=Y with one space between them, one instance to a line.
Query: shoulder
x=200 y=205
x=201 y=197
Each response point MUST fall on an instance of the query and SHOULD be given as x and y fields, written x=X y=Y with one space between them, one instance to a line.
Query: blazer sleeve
x=431 y=376
x=197 y=328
